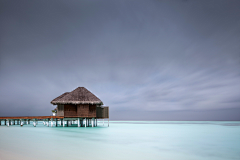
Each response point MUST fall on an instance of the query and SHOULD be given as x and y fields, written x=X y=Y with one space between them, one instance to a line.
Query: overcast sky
x=147 y=60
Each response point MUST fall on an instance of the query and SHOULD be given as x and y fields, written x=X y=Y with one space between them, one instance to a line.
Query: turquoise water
x=124 y=140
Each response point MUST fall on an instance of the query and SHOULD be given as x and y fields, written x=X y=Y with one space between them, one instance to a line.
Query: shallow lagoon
x=165 y=140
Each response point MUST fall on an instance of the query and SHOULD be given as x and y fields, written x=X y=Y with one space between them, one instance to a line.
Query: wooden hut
x=81 y=104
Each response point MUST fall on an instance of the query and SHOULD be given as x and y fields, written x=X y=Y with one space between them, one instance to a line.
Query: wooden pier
x=79 y=106
x=50 y=121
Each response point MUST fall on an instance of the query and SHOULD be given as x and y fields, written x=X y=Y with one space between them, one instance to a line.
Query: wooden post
x=51 y=122
x=92 y=121
x=5 y=122
x=48 y=122
x=96 y=122
x=34 y=123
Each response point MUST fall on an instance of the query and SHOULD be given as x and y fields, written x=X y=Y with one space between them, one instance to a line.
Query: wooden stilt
x=48 y=122
x=35 y=122
x=92 y=122
x=51 y=122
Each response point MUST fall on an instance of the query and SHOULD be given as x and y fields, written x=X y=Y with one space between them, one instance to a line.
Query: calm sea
x=124 y=140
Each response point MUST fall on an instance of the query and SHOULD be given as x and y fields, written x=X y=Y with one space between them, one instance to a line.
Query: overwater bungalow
x=79 y=107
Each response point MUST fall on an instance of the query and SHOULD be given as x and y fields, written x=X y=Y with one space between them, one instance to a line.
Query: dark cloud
x=150 y=56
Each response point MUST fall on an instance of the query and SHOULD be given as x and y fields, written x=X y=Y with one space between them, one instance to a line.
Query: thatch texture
x=59 y=97
x=78 y=96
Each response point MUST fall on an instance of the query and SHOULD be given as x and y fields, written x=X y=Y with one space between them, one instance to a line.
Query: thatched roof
x=78 y=96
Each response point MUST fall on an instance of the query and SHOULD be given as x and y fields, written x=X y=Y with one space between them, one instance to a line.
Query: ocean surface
x=124 y=140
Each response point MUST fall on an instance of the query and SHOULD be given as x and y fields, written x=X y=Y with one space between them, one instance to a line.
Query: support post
x=14 y=122
x=85 y=122
x=5 y=122
x=56 y=122
x=63 y=122
x=96 y=122
x=34 y=123
x=92 y=121
x=51 y=122
x=78 y=122
x=8 y=123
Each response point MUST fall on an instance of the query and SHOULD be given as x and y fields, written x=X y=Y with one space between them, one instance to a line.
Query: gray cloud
x=134 y=55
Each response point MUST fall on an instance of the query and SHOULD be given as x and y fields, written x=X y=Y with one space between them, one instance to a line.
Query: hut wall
x=82 y=110
x=60 y=110
x=70 y=110
x=102 y=112
x=106 y=112
x=99 y=112
x=92 y=111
